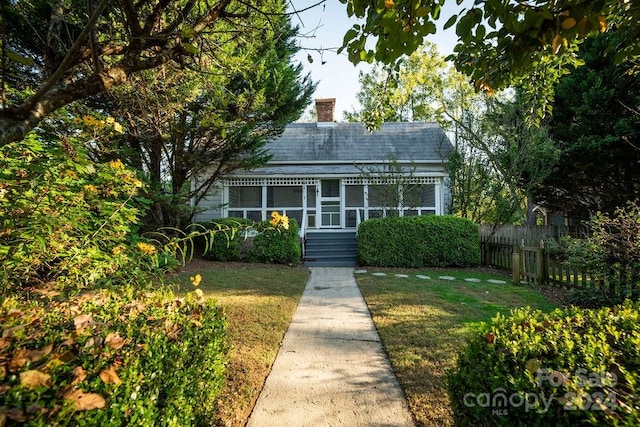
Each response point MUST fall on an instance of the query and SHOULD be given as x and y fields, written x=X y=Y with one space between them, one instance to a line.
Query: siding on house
x=211 y=206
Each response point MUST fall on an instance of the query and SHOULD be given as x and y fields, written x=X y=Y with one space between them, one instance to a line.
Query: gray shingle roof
x=351 y=142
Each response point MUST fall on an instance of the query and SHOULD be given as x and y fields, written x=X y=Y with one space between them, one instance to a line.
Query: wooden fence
x=531 y=235
x=516 y=250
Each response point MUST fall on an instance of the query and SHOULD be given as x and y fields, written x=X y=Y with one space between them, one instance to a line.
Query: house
x=332 y=176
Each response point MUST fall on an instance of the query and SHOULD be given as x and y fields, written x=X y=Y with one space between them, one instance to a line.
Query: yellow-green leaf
x=187 y=32
x=532 y=365
x=191 y=48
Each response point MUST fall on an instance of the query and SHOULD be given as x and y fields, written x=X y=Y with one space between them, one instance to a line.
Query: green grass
x=423 y=322
x=259 y=301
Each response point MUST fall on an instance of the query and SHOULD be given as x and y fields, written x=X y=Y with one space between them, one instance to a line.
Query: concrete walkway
x=331 y=369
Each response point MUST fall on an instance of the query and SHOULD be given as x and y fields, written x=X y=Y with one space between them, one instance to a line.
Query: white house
x=316 y=175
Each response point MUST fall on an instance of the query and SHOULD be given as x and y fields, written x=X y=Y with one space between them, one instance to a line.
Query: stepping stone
x=401 y=275
x=360 y=271
x=471 y=279
x=423 y=277
x=498 y=282
x=379 y=274
x=447 y=278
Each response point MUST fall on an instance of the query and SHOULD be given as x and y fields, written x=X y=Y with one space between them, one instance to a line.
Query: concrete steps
x=331 y=249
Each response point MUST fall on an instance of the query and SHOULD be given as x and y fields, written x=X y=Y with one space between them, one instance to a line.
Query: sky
x=323 y=27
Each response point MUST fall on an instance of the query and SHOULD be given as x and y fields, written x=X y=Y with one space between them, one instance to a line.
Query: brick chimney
x=324 y=109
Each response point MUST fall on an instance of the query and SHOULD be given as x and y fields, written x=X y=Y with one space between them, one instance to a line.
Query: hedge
x=113 y=359
x=419 y=241
x=569 y=367
x=264 y=242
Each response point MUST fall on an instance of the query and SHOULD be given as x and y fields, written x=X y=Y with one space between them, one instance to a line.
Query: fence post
x=485 y=252
x=516 y=266
x=542 y=265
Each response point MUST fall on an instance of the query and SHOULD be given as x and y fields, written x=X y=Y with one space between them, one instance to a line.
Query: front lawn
x=422 y=322
x=259 y=301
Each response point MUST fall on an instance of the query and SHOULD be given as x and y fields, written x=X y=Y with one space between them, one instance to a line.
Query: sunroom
x=331 y=202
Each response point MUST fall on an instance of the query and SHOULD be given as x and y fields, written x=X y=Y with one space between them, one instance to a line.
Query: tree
x=499 y=156
x=202 y=117
x=596 y=127
x=395 y=188
x=66 y=51
x=189 y=130
x=186 y=129
x=409 y=93
x=499 y=42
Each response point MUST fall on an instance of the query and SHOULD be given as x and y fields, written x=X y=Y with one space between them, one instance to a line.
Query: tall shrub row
x=419 y=241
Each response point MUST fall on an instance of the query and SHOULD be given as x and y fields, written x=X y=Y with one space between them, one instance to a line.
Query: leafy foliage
x=499 y=155
x=611 y=255
x=499 y=42
x=115 y=358
x=61 y=52
x=588 y=298
x=418 y=241
x=596 y=127
x=230 y=243
x=568 y=367
x=67 y=221
x=189 y=128
x=276 y=244
x=274 y=241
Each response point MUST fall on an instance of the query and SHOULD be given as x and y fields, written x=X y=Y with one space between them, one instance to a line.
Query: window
x=331 y=214
x=330 y=188
x=295 y=213
x=412 y=196
x=429 y=195
x=311 y=196
x=354 y=195
x=383 y=196
x=245 y=197
x=284 y=196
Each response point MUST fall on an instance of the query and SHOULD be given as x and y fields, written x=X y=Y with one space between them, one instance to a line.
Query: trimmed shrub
x=229 y=243
x=115 y=358
x=276 y=244
x=569 y=367
x=419 y=241
x=268 y=241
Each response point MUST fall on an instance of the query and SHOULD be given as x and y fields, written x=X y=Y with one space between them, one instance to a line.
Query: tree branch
x=68 y=59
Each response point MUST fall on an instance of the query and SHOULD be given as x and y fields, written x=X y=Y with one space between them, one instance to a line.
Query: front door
x=330 y=203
